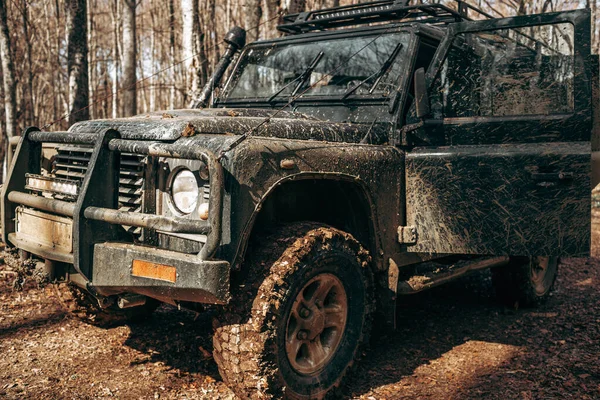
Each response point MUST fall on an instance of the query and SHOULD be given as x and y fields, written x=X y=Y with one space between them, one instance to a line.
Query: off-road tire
x=88 y=309
x=250 y=335
x=522 y=283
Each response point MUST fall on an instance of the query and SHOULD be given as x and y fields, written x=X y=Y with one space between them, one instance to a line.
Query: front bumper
x=99 y=251
x=191 y=280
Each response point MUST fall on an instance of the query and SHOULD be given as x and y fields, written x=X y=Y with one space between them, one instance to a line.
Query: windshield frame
x=373 y=31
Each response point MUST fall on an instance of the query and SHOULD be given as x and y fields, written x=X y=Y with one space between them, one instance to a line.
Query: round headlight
x=184 y=191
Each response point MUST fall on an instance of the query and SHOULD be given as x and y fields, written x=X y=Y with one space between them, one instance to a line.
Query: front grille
x=72 y=162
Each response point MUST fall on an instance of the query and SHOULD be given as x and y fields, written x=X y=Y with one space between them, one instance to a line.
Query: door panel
x=503 y=164
x=528 y=199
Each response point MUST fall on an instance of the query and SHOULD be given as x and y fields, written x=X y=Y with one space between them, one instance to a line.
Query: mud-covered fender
x=258 y=166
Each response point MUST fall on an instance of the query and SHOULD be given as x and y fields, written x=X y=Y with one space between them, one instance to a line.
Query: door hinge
x=407 y=235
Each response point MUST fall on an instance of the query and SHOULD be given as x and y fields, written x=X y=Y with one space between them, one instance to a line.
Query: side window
x=507 y=72
x=427 y=49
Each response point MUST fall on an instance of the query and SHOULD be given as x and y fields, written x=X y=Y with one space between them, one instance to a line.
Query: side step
x=436 y=274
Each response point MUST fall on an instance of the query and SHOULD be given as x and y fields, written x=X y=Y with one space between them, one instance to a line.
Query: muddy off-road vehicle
x=373 y=151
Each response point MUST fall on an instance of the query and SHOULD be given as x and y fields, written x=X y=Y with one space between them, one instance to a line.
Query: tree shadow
x=24 y=317
x=181 y=340
x=24 y=326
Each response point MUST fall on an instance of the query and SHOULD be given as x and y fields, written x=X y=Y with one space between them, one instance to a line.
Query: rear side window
x=507 y=72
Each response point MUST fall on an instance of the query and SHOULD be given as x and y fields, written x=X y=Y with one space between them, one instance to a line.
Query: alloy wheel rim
x=316 y=324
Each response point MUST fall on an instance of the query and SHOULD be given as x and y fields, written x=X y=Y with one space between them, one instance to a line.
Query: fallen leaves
x=452 y=342
x=189 y=130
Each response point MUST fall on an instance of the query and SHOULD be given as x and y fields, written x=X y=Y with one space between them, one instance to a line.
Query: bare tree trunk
x=90 y=61
x=228 y=15
x=52 y=73
x=187 y=46
x=60 y=76
x=595 y=38
x=253 y=13
x=294 y=6
x=8 y=74
x=271 y=9
x=153 y=58
x=3 y=133
x=28 y=91
x=142 y=90
x=77 y=68
x=192 y=49
x=105 y=88
x=172 y=52
x=116 y=58
x=212 y=27
x=129 y=58
x=591 y=4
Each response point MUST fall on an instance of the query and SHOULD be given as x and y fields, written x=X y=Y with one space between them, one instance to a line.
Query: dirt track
x=453 y=342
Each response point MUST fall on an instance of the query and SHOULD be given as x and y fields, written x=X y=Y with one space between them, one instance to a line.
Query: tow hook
x=131 y=300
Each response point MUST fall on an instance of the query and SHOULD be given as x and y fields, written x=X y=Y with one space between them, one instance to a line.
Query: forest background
x=70 y=60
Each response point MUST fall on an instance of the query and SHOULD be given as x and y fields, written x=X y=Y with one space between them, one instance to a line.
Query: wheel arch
x=339 y=200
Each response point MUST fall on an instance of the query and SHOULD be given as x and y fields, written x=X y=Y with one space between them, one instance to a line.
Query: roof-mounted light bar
x=377 y=11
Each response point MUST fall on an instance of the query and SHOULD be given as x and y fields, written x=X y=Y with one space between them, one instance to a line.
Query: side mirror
x=421 y=97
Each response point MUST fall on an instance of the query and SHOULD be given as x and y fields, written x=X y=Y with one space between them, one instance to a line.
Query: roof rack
x=376 y=11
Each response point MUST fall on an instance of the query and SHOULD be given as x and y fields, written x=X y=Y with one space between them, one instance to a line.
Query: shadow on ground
x=180 y=339
x=457 y=342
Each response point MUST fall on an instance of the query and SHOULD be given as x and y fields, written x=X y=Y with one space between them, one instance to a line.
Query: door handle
x=552 y=176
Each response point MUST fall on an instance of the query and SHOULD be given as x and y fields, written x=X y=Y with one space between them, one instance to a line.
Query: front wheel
x=525 y=282
x=297 y=321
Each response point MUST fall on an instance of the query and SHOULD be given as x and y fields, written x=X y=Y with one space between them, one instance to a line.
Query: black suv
x=375 y=150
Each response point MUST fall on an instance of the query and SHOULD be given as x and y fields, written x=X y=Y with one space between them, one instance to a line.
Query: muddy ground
x=454 y=342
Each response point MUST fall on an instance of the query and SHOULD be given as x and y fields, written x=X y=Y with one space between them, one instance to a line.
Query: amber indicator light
x=146 y=269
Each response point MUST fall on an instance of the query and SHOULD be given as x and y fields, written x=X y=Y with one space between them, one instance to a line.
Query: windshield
x=327 y=68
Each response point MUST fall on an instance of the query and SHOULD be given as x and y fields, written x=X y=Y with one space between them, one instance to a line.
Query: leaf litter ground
x=453 y=342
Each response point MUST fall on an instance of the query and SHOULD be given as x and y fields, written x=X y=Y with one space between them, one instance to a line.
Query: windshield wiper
x=300 y=79
x=377 y=75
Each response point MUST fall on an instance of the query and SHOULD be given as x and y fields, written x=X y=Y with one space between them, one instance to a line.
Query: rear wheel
x=525 y=282
x=297 y=321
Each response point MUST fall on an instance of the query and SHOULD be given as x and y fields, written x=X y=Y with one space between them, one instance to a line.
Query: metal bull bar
x=95 y=214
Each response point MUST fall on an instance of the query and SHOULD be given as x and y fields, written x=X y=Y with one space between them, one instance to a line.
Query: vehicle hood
x=174 y=124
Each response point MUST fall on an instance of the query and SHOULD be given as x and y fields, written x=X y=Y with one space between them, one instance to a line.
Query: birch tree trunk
x=153 y=58
x=77 y=67
x=91 y=48
x=192 y=49
x=129 y=59
x=172 y=53
x=116 y=58
x=591 y=4
x=8 y=74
